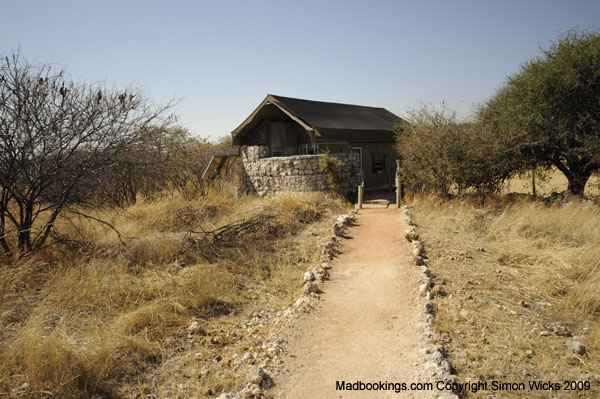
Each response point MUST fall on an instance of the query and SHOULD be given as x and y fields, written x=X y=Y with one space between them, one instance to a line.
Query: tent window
x=306 y=149
x=358 y=150
x=278 y=151
x=378 y=163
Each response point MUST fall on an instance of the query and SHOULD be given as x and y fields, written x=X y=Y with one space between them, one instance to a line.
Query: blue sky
x=221 y=58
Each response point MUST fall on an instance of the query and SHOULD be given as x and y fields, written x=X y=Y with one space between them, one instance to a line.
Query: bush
x=333 y=169
x=443 y=155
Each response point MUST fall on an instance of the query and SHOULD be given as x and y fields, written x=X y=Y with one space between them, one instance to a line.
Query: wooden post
x=398 y=191
x=398 y=183
x=361 y=189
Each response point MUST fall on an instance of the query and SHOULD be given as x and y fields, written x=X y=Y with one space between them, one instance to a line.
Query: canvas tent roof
x=325 y=119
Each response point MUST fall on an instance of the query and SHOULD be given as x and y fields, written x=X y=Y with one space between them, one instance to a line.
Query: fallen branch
x=208 y=243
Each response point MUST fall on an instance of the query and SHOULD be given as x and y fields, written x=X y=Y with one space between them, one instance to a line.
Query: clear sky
x=221 y=58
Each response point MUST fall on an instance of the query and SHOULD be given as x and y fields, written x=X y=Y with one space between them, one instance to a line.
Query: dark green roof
x=319 y=114
x=327 y=120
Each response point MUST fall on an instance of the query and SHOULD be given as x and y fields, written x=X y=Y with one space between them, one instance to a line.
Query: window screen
x=378 y=163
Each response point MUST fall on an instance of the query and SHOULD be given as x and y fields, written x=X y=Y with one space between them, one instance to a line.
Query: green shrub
x=334 y=171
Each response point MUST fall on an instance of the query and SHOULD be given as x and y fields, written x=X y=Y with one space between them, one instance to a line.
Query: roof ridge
x=324 y=102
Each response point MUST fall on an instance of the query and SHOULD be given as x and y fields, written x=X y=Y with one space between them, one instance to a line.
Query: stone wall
x=298 y=173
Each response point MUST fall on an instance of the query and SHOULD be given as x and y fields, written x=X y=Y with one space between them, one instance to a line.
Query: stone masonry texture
x=265 y=175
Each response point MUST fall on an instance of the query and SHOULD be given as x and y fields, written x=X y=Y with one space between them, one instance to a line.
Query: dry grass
x=514 y=282
x=89 y=317
x=555 y=181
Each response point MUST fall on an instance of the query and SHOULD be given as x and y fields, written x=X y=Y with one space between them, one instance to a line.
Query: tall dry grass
x=94 y=315
x=559 y=247
x=515 y=281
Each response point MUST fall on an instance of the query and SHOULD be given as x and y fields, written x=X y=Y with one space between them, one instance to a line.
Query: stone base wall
x=298 y=173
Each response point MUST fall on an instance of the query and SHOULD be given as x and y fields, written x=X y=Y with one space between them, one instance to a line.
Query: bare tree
x=141 y=168
x=56 y=135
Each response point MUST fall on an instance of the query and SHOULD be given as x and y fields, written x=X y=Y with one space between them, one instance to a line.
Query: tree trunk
x=24 y=243
x=5 y=247
x=577 y=184
x=576 y=174
x=4 y=243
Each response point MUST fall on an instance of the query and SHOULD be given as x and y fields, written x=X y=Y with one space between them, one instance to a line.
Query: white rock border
x=319 y=273
x=437 y=364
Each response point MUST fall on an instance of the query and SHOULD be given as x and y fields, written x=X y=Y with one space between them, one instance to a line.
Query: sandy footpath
x=366 y=325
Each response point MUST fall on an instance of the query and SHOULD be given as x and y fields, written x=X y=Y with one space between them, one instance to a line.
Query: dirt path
x=366 y=325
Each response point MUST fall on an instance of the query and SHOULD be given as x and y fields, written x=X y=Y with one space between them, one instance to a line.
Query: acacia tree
x=56 y=137
x=550 y=109
x=483 y=160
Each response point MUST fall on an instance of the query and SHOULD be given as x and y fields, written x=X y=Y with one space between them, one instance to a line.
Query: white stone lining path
x=437 y=364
